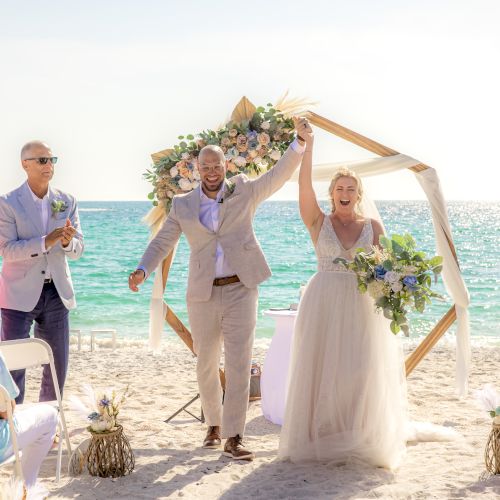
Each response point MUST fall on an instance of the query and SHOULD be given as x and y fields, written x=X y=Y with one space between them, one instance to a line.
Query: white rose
x=196 y=175
x=397 y=286
x=275 y=155
x=185 y=184
x=376 y=289
x=265 y=125
x=257 y=160
x=185 y=156
x=240 y=161
x=174 y=172
x=391 y=276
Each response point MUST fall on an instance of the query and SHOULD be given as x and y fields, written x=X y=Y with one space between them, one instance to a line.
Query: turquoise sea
x=115 y=238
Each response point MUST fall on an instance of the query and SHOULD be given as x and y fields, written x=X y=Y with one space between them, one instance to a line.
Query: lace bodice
x=328 y=246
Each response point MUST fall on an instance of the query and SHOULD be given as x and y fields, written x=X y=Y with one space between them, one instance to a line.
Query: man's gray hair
x=29 y=145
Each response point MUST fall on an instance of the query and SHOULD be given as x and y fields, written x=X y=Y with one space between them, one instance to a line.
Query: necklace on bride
x=347 y=223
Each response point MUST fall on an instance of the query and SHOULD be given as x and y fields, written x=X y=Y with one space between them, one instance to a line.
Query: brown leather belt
x=226 y=281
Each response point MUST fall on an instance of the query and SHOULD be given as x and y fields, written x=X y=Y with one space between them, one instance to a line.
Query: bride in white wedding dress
x=347 y=387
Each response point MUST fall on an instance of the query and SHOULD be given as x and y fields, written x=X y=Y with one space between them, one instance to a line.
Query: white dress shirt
x=43 y=206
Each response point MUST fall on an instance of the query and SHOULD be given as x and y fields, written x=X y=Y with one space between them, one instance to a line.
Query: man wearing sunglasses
x=39 y=231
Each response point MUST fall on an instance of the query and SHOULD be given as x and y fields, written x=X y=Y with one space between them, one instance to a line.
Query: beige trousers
x=228 y=319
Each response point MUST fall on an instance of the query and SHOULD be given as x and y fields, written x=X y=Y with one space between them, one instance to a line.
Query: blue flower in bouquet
x=379 y=272
x=94 y=416
x=410 y=282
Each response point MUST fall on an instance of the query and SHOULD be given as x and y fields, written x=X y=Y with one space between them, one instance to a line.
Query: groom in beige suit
x=225 y=267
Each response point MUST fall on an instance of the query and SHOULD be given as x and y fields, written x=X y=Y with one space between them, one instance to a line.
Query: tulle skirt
x=347 y=388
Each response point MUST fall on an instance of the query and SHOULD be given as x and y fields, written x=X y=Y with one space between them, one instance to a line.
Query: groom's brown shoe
x=234 y=449
x=212 y=439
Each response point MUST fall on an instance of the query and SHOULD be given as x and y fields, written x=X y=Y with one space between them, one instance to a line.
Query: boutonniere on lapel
x=58 y=206
x=229 y=188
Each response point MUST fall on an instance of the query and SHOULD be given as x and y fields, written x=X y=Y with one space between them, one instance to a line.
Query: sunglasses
x=44 y=161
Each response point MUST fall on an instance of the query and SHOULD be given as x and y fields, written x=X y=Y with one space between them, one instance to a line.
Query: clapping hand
x=63 y=234
x=68 y=232
x=304 y=130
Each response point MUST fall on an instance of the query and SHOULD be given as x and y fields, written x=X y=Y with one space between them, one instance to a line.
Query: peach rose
x=241 y=143
x=263 y=138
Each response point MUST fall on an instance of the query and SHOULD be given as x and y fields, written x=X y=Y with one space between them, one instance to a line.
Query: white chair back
x=5 y=403
x=25 y=353
x=28 y=353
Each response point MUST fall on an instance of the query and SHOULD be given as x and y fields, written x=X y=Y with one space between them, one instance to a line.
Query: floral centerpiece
x=101 y=408
x=489 y=400
x=397 y=277
x=252 y=141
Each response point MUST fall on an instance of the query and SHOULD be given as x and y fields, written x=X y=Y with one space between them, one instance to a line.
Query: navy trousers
x=52 y=325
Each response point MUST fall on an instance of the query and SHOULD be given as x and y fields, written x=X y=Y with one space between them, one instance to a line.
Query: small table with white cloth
x=275 y=370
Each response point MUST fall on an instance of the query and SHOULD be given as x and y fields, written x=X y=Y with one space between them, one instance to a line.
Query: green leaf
x=395 y=327
x=183 y=144
x=180 y=137
x=400 y=240
x=190 y=137
x=151 y=196
x=436 y=261
x=492 y=413
x=388 y=313
x=385 y=242
x=437 y=269
x=362 y=287
x=387 y=265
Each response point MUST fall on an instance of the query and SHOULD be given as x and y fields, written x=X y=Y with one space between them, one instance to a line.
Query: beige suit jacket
x=235 y=233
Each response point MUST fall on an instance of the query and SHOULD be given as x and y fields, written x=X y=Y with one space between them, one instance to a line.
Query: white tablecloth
x=275 y=371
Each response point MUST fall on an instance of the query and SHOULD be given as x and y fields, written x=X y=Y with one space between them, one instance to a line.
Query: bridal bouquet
x=397 y=277
x=100 y=408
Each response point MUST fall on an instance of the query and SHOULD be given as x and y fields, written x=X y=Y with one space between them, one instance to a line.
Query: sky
x=107 y=83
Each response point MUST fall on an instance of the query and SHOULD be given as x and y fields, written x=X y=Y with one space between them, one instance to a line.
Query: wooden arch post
x=447 y=320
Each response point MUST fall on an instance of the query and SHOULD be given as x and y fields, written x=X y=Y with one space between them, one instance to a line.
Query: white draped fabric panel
x=452 y=278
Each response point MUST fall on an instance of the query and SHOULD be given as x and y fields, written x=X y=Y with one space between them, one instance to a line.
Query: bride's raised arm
x=309 y=209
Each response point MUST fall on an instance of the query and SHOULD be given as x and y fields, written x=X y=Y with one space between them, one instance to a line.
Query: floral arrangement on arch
x=253 y=140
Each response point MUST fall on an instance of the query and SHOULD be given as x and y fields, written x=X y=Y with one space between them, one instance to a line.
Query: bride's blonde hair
x=345 y=172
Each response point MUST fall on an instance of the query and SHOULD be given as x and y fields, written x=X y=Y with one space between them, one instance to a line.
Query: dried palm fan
x=78 y=459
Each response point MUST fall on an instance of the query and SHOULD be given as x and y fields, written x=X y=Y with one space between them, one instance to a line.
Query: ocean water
x=115 y=239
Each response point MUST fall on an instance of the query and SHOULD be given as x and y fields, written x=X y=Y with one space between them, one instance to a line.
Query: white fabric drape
x=452 y=278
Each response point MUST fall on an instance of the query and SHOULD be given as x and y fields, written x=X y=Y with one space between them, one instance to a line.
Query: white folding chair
x=5 y=402
x=29 y=353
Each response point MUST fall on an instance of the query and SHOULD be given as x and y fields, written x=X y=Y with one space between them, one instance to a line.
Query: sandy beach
x=170 y=462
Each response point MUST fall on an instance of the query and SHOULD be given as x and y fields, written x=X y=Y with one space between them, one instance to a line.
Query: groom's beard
x=212 y=189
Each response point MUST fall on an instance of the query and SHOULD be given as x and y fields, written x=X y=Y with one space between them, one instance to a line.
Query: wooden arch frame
x=334 y=128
